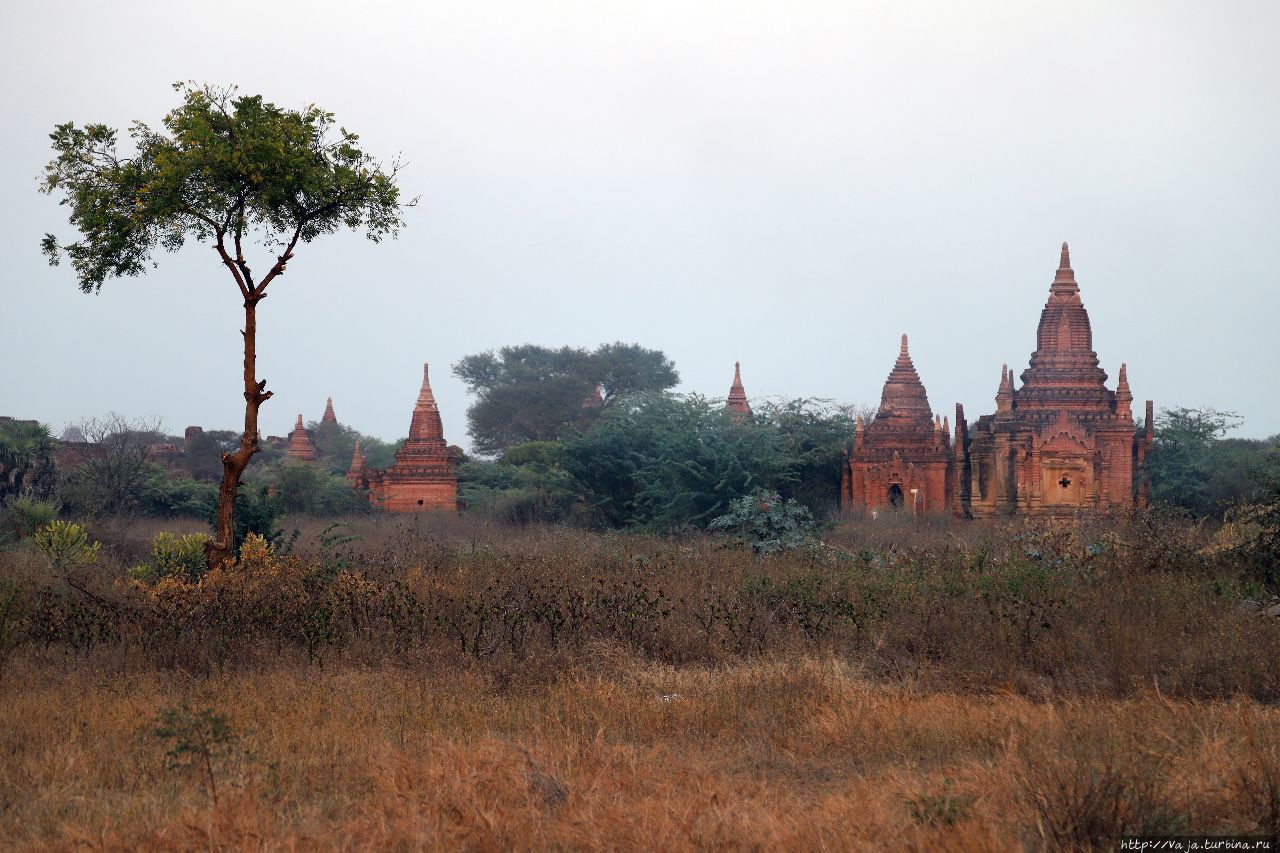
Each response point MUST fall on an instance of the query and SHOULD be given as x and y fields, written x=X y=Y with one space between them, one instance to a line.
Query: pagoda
x=422 y=477
x=301 y=448
x=329 y=417
x=737 y=405
x=902 y=458
x=1061 y=442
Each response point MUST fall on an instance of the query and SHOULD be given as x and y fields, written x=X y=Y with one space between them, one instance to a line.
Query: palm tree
x=26 y=457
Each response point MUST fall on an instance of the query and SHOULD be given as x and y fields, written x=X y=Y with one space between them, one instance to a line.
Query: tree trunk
x=222 y=549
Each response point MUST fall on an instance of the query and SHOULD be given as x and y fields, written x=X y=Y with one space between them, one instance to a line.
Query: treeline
x=589 y=437
x=106 y=467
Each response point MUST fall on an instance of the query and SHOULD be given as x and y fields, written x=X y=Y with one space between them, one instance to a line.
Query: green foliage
x=814 y=433
x=65 y=545
x=173 y=496
x=257 y=513
x=337 y=443
x=23 y=516
x=535 y=490
x=533 y=393
x=196 y=740
x=174 y=556
x=225 y=164
x=1193 y=466
x=766 y=523
x=305 y=488
x=666 y=462
x=202 y=453
x=26 y=460
x=1262 y=549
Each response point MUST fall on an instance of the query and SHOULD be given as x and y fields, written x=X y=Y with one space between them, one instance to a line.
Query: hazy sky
x=792 y=185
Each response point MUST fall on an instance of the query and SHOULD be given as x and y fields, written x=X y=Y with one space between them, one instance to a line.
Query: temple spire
x=737 y=404
x=301 y=448
x=1064 y=281
x=329 y=416
x=904 y=394
x=426 y=425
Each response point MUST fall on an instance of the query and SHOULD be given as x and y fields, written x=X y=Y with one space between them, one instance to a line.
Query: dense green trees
x=665 y=462
x=534 y=393
x=225 y=170
x=1194 y=466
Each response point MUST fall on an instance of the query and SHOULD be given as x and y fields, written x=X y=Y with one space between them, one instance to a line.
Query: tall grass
x=436 y=682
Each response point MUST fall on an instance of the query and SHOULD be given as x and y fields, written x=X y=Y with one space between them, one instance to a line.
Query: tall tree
x=226 y=170
x=535 y=393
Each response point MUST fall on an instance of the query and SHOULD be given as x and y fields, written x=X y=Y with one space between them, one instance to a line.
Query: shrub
x=766 y=523
x=174 y=556
x=65 y=545
x=26 y=515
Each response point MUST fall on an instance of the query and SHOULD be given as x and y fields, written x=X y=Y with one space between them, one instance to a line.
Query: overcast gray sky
x=792 y=185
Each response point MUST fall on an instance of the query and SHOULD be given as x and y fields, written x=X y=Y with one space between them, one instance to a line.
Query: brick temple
x=1059 y=443
x=422 y=476
x=903 y=457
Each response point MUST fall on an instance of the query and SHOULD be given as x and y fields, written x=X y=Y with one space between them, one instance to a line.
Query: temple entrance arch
x=896 y=498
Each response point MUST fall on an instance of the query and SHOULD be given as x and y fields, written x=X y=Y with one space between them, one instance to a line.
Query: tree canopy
x=228 y=170
x=1193 y=465
x=535 y=393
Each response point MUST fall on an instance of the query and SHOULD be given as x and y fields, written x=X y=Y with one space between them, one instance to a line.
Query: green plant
x=181 y=556
x=197 y=740
x=65 y=545
x=26 y=515
x=766 y=523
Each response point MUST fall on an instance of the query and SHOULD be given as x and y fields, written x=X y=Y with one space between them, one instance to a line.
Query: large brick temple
x=422 y=477
x=1059 y=443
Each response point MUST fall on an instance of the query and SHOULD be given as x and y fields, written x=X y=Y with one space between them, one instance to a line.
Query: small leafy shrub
x=766 y=523
x=174 y=556
x=65 y=545
x=197 y=740
x=26 y=515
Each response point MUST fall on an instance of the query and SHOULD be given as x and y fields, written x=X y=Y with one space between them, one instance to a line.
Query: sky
x=791 y=185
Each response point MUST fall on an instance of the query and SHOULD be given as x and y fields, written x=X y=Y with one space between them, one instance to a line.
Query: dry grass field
x=980 y=689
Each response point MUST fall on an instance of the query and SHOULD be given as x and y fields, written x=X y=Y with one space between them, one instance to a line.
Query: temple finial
x=904 y=351
x=425 y=397
x=329 y=417
x=1064 y=281
x=298 y=425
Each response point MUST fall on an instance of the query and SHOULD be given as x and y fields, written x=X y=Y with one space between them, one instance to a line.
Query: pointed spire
x=1124 y=397
x=737 y=404
x=298 y=426
x=1064 y=281
x=426 y=424
x=1004 y=394
x=329 y=416
x=904 y=393
x=425 y=398
x=357 y=470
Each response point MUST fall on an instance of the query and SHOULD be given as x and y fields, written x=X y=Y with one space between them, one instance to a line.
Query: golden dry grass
x=794 y=754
